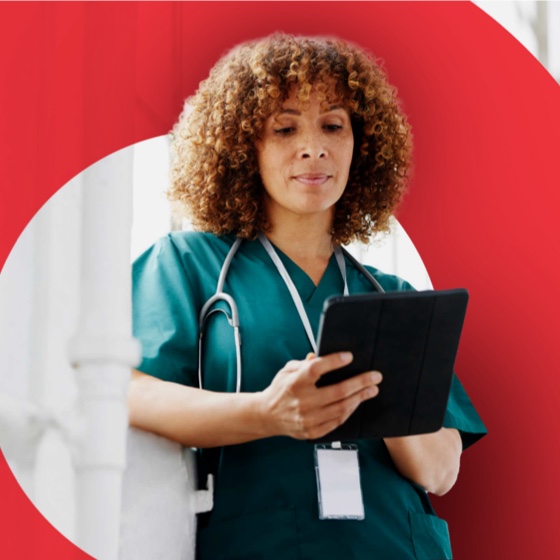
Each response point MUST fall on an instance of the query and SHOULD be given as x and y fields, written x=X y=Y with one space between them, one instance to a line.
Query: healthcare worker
x=292 y=147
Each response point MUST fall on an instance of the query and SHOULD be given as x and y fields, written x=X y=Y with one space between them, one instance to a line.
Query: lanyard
x=293 y=290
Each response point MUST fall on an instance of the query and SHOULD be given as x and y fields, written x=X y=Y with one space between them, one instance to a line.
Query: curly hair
x=215 y=174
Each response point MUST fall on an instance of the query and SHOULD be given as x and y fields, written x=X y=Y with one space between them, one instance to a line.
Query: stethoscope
x=233 y=317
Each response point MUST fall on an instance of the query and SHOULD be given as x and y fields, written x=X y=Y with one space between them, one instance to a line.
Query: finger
x=310 y=356
x=332 y=416
x=344 y=389
x=324 y=364
x=321 y=430
x=291 y=366
x=340 y=411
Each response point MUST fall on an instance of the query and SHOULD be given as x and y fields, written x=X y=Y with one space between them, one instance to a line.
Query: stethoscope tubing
x=369 y=276
x=206 y=312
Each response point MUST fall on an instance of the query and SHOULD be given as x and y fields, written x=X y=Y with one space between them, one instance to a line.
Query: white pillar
x=103 y=352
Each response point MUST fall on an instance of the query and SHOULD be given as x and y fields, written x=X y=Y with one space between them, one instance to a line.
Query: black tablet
x=412 y=339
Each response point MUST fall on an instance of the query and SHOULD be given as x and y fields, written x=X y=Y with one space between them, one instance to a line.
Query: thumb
x=310 y=356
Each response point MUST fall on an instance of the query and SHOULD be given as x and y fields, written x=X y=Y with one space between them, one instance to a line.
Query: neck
x=299 y=239
x=306 y=241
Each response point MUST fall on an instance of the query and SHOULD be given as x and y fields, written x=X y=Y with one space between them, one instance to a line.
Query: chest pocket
x=430 y=537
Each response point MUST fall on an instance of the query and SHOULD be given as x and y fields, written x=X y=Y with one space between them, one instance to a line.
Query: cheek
x=265 y=174
x=344 y=148
x=348 y=154
x=262 y=161
x=276 y=161
x=269 y=168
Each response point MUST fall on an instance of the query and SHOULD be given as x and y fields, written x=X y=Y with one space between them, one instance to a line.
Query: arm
x=192 y=417
x=430 y=460
x=292 y=405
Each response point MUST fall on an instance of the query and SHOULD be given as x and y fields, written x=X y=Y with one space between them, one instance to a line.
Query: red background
x=79 y=81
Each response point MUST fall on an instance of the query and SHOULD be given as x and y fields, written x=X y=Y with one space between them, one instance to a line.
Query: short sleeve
x=164 y=314
x=462 y=415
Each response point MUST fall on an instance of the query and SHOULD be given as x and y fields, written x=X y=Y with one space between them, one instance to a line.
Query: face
x=304 y=158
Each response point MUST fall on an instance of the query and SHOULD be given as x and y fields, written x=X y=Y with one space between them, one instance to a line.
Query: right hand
x=292 y=405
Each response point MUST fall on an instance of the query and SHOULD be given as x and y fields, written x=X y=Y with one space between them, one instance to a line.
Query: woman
x=295 y=146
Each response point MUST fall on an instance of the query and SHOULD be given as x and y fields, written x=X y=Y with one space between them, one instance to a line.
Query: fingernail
x=346 y=357
x=376 y=377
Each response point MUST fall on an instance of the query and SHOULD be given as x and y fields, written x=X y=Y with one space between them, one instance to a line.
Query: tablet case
x=412 y=339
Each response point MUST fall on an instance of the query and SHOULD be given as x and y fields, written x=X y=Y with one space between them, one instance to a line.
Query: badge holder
x=338 y=481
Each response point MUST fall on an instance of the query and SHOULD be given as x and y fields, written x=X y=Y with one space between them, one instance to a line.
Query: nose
x=312 y=146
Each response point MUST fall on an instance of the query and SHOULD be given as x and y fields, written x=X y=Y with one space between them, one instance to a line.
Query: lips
x=312 y=178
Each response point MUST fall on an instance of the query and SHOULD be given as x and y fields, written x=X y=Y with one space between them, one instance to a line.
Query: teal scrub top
x=265 y=501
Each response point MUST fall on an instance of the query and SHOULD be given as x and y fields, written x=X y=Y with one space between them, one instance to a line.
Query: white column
x=103 y=352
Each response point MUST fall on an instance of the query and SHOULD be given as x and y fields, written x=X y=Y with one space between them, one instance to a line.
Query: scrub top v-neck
x=265 y=494
x=309 y=294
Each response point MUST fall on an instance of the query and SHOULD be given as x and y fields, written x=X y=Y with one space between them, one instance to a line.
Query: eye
x=284 y=131
x=332 y=127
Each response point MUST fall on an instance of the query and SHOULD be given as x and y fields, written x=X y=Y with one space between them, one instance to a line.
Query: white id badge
x=338 y=482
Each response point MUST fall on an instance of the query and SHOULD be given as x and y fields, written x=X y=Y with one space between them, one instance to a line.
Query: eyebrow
x=296 y=112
